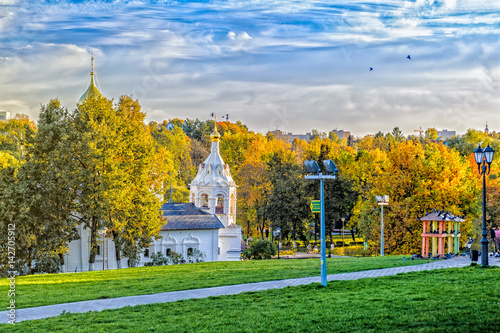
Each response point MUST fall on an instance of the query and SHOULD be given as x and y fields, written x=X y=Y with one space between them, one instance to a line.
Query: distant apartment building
x=341 y=134
x=445 y=134
x=289 y=137
x=4 y=115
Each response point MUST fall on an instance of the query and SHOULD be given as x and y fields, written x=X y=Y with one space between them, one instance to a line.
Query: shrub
x=197 y=256
x=48 y=263
x=261 y=249
x=354 y=251
x=176 y=258
x=157 y=259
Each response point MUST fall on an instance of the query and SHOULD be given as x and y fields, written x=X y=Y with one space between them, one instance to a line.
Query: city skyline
x=295 y=66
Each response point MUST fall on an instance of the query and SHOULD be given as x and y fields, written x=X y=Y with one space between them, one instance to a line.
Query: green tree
x=35 y=198
x=106 y=163
x=288 y=206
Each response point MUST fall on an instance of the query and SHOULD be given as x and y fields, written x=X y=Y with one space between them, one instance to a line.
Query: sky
x=288 y=65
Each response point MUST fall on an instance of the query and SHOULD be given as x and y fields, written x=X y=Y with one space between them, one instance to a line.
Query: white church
x=206 y=224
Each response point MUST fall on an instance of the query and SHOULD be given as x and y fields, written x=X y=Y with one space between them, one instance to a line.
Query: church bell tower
x=214 y=189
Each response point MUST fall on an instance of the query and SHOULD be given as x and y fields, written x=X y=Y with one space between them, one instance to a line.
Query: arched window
x=190 y=251
x=219 y=207
x=204 y=200
x=168 y=252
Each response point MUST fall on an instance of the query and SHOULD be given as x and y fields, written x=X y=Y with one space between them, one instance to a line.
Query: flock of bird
x=408 y=57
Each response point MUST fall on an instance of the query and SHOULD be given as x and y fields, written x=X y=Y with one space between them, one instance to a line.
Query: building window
x=219 y=207
x=146 y=253
x=190 y=251
x=98 y=250
x=168 y=252
x=204 y=200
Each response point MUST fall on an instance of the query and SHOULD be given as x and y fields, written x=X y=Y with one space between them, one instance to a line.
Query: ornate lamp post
x=484 y=157
x=382 y=201
x=313 y=167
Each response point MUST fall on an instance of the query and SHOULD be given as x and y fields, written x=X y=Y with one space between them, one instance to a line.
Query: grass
x=38 y=290
x=447 y=300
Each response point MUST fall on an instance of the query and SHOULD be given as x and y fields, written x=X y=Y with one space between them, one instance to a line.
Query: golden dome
x=215 y=136
x=92 y=90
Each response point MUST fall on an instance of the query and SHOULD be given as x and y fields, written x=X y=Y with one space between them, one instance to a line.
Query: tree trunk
x=117 y=251
x=93 y=243
x=61 y=258
x=30 y=260
x=352 y=233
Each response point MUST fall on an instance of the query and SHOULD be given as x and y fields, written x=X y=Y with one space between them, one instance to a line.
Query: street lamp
x=277 y=232
x=382 y=201
x=103 y=232
x=343 y=219
x=313 y=167
x=484 y=157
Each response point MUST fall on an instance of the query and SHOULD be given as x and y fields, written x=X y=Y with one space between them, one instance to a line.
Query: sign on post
x=316 y=206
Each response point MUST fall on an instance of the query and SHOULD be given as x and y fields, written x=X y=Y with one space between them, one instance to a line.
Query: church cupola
x=92 y=90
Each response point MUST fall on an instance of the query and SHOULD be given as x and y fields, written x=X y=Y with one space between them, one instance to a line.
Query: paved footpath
x=115 y=303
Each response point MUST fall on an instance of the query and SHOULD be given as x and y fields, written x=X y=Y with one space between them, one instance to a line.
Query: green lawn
x=37 y=290
x=447 y=300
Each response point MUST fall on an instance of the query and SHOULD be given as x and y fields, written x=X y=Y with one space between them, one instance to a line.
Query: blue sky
x=289 y=65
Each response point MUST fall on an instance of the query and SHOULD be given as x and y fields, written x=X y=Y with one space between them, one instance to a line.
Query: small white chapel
x=206 y=224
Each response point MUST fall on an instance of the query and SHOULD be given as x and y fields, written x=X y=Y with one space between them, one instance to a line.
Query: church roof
x=185 y=216
x=213 y=172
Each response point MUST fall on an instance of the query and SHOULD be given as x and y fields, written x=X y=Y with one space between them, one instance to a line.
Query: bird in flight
x=371 y=69
x=408 y=57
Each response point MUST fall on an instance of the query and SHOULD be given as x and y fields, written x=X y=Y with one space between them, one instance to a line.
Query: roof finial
x=92 y=63
x=486 y=130
x=215 y=135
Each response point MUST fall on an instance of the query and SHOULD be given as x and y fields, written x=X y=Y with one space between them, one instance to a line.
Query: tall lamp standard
x=484 y=157
x=277 y=232
x=343 y=219
x=313 y=167
x=382 y=201
x=103 y=231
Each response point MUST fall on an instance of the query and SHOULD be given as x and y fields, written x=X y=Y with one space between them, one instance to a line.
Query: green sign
x=316 y=206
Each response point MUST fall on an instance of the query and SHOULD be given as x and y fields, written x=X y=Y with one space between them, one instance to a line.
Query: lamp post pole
x=275 y=233
x=103 y=231
x=484 y=240
x=382 y=201
x=323 y=240
x=483 y=158
x=381 y=230
x=312 y=167
x=343 y=220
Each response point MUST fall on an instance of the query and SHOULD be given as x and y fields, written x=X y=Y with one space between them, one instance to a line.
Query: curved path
x=115 y=303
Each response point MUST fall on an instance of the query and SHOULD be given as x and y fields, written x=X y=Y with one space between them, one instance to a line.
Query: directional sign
x=316 y=206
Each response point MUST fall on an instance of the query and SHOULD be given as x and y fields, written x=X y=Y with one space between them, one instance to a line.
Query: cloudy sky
x=273 y=64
